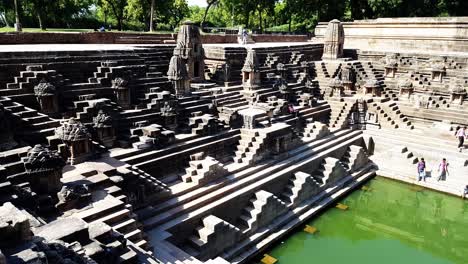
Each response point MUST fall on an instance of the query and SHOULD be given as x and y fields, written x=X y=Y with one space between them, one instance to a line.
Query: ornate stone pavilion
x=203 y=151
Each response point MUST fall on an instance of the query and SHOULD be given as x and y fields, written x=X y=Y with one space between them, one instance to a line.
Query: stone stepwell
x=211 y=153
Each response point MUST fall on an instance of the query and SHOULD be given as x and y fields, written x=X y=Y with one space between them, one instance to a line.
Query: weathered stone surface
x=334 y=40
x=14 y=226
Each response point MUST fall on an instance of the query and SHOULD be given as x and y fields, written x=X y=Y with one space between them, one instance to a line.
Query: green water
x=391 y=223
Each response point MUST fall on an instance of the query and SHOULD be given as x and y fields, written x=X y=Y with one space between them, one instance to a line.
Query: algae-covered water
x=391 y=223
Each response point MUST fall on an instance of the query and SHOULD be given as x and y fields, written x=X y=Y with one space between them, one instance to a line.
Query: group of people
x=442 y=173
x=442 y=170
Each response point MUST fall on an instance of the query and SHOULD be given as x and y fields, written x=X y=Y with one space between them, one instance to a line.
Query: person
x=102 y=29
x=291 y=110
x=465 y=192
x=422 y=170
x=443 y=170
x=461 y=134
x=244 y=36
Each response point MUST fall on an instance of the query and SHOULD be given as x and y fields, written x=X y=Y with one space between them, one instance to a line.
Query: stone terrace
x=197 y=152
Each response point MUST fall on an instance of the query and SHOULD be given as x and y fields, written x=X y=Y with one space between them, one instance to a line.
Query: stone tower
x=189 y=48
x=179 y=77
x=44 y=168
x=77 y=139
x=250 y=71
x=334 y=40
x=250 y=76
x=46 y=95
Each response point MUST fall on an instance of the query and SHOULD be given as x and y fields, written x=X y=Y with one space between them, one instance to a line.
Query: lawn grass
x=70 y=30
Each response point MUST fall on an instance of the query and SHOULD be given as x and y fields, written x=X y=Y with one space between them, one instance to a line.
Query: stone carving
x=178 y=74
x=372 y=87
x=282 y=85
x=46 y=95
x=334 y=40
x=282 y=70
x=71 y=196
x=44 y=168
x=406 y=88
x=103 y=125
x=77 y=138
x=122 y=92
x=390 y=64
x=348 y=77
x=337 y=87
x=437 y=70
x=457 y=94
x=189 y=48
x=251 y=76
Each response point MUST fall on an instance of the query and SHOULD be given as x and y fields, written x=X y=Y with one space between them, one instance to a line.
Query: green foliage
x=258 y=15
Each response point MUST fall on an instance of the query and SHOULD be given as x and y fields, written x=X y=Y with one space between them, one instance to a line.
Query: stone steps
x=295 y=158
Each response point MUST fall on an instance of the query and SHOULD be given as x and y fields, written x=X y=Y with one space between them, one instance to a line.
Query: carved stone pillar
x=46 y=95
x=391 y=65
x=77 y=138
x=348 y=78
x=105 y=131
x=438 y=70
x=179 y=77
x=337 y=87
x=405 y=88
x=372 y=87
x=250 y=76
x=44 y=168
x=122 y=92
x=189 y=48
x=334 y=40
x=457 y=94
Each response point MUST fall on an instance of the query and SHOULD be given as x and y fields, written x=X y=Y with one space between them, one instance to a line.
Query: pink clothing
x=461 y=133
x=443 y=166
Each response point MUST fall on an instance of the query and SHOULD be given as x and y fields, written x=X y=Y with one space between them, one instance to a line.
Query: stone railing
x=130 y=38
x=437 y=34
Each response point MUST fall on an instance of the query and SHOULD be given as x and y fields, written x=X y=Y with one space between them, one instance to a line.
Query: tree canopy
x=260 y=15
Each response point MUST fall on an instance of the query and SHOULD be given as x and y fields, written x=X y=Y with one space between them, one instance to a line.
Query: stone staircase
x=32 y=76
x=315 y=130
x=204 y=171
x=354 y=158
x=389 y=115
x=87 y=109
x=340 y=112
x=39 y=125
x=296 y=58
x=261 y=209
x=300 y=187
x=211 y=238
x=250 y=146
x=271 y=61
x=329 y=172
x=204 y=125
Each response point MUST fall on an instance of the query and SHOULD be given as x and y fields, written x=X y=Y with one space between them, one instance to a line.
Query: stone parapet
x=129 y=38
x=405 y=34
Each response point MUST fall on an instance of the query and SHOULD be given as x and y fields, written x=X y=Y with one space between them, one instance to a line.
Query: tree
x=151 y=23
x=178 y=11
x=209 y=4
x=118 y=9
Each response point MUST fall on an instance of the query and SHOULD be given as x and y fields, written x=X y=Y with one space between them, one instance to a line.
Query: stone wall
x=128 y=38
x=448 y=34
